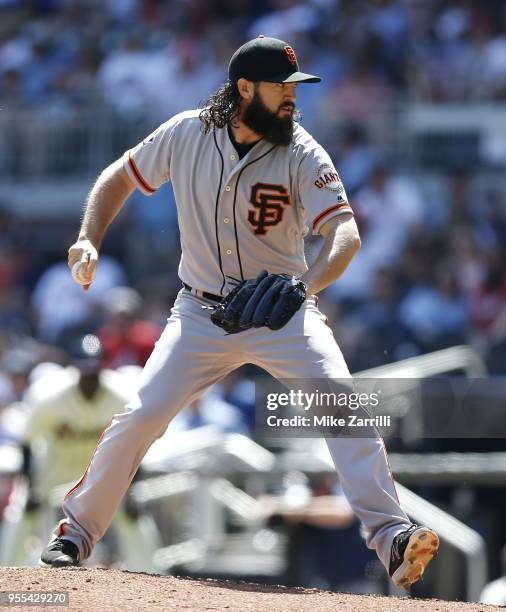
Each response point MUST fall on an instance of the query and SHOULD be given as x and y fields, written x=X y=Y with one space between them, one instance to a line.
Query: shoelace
x=60 y=545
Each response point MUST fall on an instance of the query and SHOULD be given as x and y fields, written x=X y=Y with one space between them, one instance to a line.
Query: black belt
x=208 y=296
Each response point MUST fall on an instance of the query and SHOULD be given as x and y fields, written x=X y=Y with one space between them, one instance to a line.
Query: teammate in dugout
x=248 y=180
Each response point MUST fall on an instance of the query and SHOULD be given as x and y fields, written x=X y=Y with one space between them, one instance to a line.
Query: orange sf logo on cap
x=290 y=53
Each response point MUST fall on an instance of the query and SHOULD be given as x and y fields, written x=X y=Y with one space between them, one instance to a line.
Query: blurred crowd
x=131 y=53
x=430 y=273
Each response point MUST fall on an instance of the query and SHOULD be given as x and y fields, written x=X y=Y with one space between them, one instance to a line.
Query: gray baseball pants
x=191 y=355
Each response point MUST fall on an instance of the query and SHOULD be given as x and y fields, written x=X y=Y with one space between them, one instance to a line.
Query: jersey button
x=226 y=220
x=229 y=252
x=232 y=157
x=228 y=188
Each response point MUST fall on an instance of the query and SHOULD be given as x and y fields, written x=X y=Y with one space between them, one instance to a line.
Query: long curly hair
x=221 y=107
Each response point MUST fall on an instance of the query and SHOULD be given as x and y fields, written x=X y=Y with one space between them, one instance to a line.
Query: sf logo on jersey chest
x=269 y=202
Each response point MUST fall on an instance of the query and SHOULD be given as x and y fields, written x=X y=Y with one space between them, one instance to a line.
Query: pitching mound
x=105 y=590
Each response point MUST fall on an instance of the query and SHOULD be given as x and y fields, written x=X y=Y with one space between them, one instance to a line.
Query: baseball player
x=248 y=181
x=68 y=410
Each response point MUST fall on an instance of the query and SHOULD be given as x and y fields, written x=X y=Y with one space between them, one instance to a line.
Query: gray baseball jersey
x=238 y=217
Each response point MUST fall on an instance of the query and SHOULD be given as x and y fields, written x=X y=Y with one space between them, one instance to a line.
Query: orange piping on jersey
x=138 y=175
x=329 y=210
x=75 y=487
x=61 y=529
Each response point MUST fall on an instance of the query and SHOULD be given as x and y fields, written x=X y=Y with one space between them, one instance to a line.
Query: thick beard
x=276 y=130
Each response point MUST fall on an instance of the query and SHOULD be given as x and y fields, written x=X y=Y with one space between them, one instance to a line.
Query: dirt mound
x=104 y=590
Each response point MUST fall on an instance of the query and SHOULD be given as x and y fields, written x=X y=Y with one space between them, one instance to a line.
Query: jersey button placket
x=228 y=229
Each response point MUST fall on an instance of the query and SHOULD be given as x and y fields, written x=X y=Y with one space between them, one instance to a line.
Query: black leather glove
x=269 y=300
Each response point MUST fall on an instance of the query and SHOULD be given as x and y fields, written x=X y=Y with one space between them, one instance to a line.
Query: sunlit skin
x=278 y=97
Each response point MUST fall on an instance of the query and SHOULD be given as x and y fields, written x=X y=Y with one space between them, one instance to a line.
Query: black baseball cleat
x=412 y=550
x=60 y=553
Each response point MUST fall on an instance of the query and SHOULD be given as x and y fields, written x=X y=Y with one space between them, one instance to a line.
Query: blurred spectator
x=379 y=330
x=357 y=158
x=488 y=312
x=466 y=260
x=494 y=63
x=390 y=25
x=61 y=306
x=152 y=235
x=14 y=257
x=17 y=365
x=460 y=198
x=127 y=338
x=210 y=409
x=290 y=18
x=361 y=95
x=388 y=207
x=435 y=316
x=68 y=410
x=12 y=95
x=238 y=389
x=488 y=303
x=129 y=75
x=190 y=71
x=490 y=222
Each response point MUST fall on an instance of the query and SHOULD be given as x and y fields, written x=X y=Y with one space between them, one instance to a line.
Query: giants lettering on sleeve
x=327 y=178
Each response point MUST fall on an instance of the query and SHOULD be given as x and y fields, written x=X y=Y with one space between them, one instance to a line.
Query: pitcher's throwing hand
x=82 y=261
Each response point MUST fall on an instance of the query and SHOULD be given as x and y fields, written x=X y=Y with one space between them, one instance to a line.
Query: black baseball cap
x=267 y=59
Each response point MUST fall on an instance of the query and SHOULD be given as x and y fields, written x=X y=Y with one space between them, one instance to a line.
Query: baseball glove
x=268 y=300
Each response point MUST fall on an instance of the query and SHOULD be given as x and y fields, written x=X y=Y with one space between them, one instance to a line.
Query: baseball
x=76 y=276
